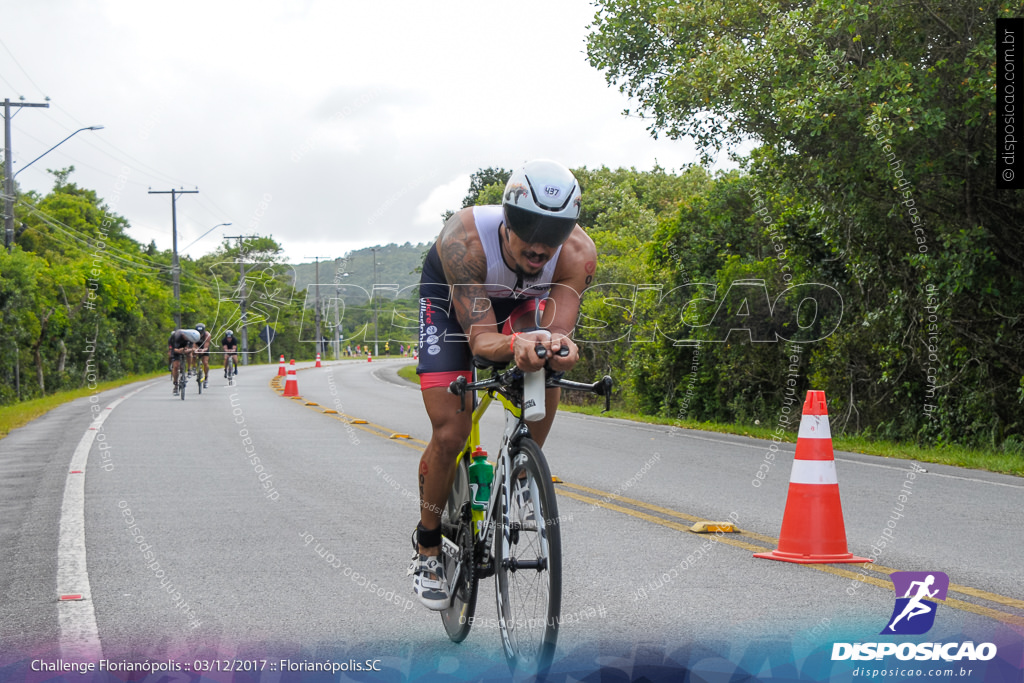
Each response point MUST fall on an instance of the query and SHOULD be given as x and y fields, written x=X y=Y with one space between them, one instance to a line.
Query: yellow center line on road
x=724 y=538
x=368 y=427
x=378 y=430
x=728 y=539
x=604 y=498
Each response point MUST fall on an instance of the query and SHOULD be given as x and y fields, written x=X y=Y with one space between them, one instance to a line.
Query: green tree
x=478 y=182
x=877 y=135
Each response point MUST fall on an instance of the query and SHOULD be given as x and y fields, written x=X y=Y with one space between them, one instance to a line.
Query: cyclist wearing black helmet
x=203 y=351
x=230 y=346
x=489 y=266
x=180 y=343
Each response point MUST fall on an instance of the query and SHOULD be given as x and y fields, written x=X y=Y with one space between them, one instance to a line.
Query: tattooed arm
x=573 y=275
x=465 y=268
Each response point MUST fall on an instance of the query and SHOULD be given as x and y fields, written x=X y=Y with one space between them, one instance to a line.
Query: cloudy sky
x=331 y=125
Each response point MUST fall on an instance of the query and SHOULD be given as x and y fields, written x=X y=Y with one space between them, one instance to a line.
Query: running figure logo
x=914 y=613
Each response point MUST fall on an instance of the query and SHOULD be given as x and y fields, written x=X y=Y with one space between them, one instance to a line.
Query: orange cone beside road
x=812 y=525
x=280 y=368
x=318 y=360
x=291 y=387
x=369 y=357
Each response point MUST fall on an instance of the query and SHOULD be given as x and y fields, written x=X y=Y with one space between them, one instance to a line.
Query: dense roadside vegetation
x=875 y=178
x=82 y=302
x=993 y=460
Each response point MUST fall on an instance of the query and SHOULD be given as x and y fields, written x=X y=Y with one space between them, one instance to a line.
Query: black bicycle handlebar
x=459 y=387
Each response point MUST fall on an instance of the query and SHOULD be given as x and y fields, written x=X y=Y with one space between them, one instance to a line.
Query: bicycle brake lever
x=458 y=387
x=606 y=389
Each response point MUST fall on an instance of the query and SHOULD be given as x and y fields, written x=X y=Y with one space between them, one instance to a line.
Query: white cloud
x=447 y=197
x=363 y=121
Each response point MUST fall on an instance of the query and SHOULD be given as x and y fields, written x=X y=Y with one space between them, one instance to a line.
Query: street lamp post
x=373 y=293
x=316 y=307
x=55 y=147
x=204 y=235
x=337 y=303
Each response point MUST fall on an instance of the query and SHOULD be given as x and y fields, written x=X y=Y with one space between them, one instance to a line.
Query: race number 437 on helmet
x=542 y=202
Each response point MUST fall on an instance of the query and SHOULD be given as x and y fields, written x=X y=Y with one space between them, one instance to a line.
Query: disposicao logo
x=914 y=613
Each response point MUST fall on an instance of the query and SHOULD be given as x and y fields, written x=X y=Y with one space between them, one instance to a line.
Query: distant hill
x=396 y=264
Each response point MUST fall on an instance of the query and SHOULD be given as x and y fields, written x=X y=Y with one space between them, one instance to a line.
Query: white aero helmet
x=542 y=202
x=191 y=335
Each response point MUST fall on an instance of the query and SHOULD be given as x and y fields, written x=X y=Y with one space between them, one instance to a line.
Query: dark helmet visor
x=532 y=227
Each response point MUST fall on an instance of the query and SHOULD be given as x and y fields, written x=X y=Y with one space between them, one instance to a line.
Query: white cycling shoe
x=432 y=592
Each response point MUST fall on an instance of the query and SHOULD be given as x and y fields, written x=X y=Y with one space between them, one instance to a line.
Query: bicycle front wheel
x=528 y=563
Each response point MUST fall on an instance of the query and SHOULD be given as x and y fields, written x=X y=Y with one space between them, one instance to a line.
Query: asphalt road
x=196 y=552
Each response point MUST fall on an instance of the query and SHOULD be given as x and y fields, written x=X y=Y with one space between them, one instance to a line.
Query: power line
x=34 y=209
x=18 y=64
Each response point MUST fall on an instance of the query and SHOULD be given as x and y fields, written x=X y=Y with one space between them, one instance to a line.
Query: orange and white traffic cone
x=369 y=357
x=318 y=360
x=280 y=368
x=291 y=387
x=812 y=524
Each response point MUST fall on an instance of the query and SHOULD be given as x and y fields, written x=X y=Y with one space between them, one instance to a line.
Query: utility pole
x=316 y=314
x=9 y=170
x=175 y=266
x=241 y=291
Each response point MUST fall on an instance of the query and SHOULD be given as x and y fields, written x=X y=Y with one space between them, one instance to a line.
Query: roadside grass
x=958 y=456
x=408 y=372
x=20 y=414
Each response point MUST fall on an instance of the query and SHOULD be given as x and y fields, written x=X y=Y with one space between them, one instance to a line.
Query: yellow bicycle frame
x=474 y=438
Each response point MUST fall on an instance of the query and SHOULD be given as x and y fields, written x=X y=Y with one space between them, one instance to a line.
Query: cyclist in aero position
x=203 y=351
x=490 y=266
x=180 y=343
x=230 y=346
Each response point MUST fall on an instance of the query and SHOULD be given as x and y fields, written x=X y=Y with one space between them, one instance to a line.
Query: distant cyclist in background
x=180 y=343
x=230 y=346
x=203 y=351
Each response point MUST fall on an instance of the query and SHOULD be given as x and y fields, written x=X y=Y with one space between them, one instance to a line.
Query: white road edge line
x=79 y=637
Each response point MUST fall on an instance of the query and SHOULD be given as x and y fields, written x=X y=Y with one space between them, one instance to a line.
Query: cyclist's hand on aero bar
x=524 y=348
x=560 y=353
x=564 y=353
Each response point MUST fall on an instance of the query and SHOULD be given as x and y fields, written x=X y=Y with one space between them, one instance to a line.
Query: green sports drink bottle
x=481 y=474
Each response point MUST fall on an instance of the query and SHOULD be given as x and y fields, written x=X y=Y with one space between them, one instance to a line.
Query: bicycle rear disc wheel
x=528 y=565
x=457 y=525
